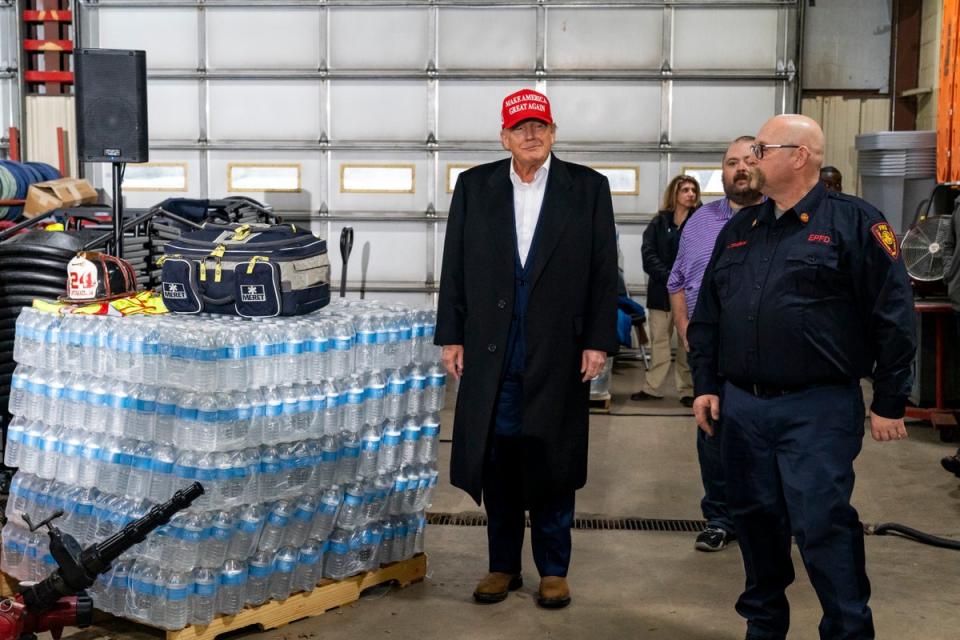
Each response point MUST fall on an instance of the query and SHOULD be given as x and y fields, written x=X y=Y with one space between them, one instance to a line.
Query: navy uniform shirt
x=819 y=296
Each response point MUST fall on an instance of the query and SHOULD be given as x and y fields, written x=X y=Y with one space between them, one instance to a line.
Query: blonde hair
x=670 y=194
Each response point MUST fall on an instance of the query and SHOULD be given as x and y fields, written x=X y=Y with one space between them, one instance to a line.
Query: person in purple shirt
x=696 y=246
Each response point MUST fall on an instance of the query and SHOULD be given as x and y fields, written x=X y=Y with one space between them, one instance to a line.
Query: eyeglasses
x=759 y=149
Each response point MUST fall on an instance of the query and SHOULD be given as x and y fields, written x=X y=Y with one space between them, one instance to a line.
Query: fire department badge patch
x=886 y=238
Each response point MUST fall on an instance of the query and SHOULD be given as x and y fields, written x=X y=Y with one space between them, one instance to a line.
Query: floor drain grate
x=580 y=522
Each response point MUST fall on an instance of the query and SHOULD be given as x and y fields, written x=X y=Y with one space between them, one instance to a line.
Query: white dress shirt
x=527 y=201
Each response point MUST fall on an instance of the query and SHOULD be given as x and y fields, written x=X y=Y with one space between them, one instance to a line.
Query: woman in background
x=661 y=240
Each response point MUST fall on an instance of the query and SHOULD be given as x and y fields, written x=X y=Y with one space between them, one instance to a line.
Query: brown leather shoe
x=496 y=586
x=554 y=593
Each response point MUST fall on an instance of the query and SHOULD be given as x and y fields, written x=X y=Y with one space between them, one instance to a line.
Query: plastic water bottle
x=75 y=401
x=203 y=603
x=242 y=414
x=258 y=416
x=293 y=352
x=374 y=398
x=411 y=440
x=120 y=406
x=250 y=520
x=369 y=451
x=366 y=343
x=53 y=402
x=332 y=413
x=18 y=389
x=396 y=395
x=277 y=521
x=327 y=511
x=349 y=457
x=51 y=344
x=270 y=474
x=143 y=591
x=417 y=335
x=13 y=451
x=416 y=385
x=184 y=433
x=36 y=394
x=429 y=437
x=317 y=412
x=336 y=566
x=320 y=351
x=213 y=551
x=405 y=345
x=143 y=423
x=431 y=352
x=141 y=470
x=273 y=420
x=281 y=581
x=351 y=509
x=249 y=475
x=151 y=353
x=260 y=568
x=392 y=350
x=376 y=493
x=189 y=534
x=399 y=490
x=353 y=407
x=303 y=417
x=178 y=588
x=161 y=473
x=166 y=415
x=301 y=524
x=326 y=469
x=95 y=346
x=389 y=458
x=206 y=428
x=386 y=542
x=401 y=529
x=436 y=389
x=233 y=361
x=342 y=353
x=309 y=566
x=90 y=466
x=233 y=583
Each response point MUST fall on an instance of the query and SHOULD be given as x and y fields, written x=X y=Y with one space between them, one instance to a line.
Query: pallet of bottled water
x=315 y=438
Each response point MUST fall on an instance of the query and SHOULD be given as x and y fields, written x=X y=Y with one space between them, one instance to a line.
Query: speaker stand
x=117 y=248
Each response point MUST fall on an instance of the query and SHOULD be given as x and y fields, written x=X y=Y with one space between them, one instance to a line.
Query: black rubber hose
x=889 y=528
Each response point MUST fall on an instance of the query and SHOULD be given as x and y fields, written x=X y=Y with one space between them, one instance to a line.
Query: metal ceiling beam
x=94 y=4
x=709 y=75
x=423 y=147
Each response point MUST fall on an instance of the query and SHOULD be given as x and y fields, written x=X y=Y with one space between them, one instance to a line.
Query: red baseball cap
x=523 y=105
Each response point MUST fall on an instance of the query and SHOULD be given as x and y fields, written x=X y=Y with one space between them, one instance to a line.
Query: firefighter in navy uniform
x=804 y=295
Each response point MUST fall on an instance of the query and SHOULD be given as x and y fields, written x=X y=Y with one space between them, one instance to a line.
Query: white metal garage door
x=9 y=62
x=362 y=113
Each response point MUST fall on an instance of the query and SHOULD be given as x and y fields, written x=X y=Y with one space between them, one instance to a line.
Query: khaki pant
x=661 y=332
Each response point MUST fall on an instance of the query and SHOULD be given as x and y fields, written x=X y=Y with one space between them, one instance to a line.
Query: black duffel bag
x=251 y=270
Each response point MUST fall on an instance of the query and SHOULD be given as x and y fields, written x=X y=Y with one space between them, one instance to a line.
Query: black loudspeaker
x=111 y=97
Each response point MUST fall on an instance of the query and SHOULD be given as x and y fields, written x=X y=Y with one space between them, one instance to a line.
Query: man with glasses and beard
x=696 y=246
x=804 y=295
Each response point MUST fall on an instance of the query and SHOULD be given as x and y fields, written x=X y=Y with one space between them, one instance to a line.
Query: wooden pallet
x=9 y=585
x=601 y=404
x=329 y=595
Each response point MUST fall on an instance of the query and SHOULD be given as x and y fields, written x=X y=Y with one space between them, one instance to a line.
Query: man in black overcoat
x=526 y=317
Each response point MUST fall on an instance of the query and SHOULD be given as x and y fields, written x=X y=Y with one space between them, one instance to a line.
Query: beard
x=747 y=194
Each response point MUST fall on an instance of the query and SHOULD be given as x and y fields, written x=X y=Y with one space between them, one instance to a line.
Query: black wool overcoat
x=572 y=307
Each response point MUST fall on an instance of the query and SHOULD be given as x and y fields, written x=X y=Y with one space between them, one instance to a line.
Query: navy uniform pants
x=788 y=461
x=551 y=517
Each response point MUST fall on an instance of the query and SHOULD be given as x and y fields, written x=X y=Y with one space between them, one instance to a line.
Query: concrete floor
x=654 y=585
